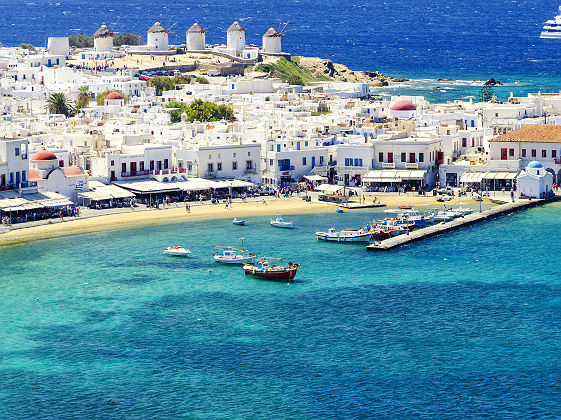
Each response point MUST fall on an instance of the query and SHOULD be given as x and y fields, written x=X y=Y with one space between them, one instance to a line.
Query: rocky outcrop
x=492 y=82
x=322 y=68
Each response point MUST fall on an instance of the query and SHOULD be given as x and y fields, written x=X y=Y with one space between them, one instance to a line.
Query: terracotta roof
x=72 y=171
x=235 y=27
x=103 y=32
x=33 y=175
x=157 y=27
x=532 y=133
x=403 y=105
x=195 y=28
x=114 y=96
x=44 y=155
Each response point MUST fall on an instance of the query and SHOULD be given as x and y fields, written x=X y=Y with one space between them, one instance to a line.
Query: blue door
x=313 y=161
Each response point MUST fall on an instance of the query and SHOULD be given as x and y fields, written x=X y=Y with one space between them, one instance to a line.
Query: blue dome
x=535 y=164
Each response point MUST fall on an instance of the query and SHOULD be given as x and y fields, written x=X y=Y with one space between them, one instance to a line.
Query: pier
x=470 y=219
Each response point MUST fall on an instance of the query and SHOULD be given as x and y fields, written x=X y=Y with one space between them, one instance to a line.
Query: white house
x=534 y=181
x=14 y=163
x=58 y=45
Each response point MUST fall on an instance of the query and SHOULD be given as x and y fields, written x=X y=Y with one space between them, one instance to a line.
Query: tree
x=127 y=39
x=81 y=41
x=485 y=94
x=200 y=111
x=295 y=80
x=27 y=47
x=163 y=83
x=59 y=104
x=83 y=97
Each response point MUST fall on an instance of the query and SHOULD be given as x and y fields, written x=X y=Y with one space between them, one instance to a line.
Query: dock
x=470 y=219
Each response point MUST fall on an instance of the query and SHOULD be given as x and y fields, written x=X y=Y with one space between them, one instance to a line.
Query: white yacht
x=552 y=28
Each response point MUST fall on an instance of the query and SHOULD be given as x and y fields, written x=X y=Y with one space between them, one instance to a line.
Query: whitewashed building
x=534 y=181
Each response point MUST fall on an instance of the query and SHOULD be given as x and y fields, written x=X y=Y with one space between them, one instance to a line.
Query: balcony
x=286 y=168
x=412 y=165
x=388 y=165
x=134 y=173
x=250 y=171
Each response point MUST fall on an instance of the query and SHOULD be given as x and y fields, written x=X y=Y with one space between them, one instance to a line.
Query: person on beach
x=187 y=208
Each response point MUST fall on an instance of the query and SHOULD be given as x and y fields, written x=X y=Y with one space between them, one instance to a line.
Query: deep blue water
x=463 y=325
x=466 y=39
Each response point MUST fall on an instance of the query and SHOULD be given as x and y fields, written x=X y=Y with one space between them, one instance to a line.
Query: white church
x=534 y=181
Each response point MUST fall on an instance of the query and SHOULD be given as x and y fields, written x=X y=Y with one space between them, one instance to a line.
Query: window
x=23 y=176
x=234 y=166
x=16 y=151
x=234 y=155
x=321 y=160
x=503 y=154
x=249 y=165
x=304 y=161
x=544 y=153
x=112 y=163
x=151 y=165
x=165 y=163
x=159 y=165
x=533 y=152
x=306 y=143
x=278 y=147
x=249 y=153
x=403 y=157
x=421 y=157
x=271 y=162
x=553 y=154
x=523 y=152
x=390 y=158
x=511 y=152
x=348 y=162
x=464 y=142
x=61 y=163
x=141 y=165
x=472 y=142
x=381 y=156
x=411 y=157
x=211 y=167
x=123 y=167
x=219 y=166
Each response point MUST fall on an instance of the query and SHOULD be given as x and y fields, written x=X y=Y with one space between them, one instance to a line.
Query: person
x=512 y=195
x=264 y=202
x=187 y=208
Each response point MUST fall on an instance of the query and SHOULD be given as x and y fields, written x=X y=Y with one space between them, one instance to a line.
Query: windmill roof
x=271 y=33
x=157 y=27
x=103 y=32
x=235 y=27
x=195 y=28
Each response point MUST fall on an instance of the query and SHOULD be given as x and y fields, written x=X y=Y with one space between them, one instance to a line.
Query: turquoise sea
x=102 y=325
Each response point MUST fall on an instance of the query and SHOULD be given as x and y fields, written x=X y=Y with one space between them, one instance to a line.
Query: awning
x=472 y=177
x=500 y=175
x=314 y=178
x=147 y=187
x=329 y=189
x=10 y=209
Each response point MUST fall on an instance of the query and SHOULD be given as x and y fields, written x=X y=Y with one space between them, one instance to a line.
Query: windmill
x=272 y=39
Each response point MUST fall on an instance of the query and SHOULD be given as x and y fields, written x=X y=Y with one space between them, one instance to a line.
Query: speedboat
x=177 y=251
x=462 y=211
x=264 y=270
x=442 y=198
x=230 y=256
x=346 y=235
x=405 y=206
x=414 y=216
x=279 y=222
x=238 y=222
x=338 y=210
x=444 y=215
x=552 y=28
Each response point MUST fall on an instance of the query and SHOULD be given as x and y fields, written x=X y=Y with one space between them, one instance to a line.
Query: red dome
x=114 y=96
x=72 y=171
x=43 y=155
x=404 y=105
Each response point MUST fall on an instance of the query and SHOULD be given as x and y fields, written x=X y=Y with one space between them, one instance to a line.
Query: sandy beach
x=178 y=214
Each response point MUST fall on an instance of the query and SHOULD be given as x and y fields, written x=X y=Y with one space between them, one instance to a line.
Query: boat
x=238 y=222
x=386 y=232
x=552 y=28
x=444 y=215
x=442 y=198
x=462 y=211
x=177 y=251
x=231 y=255
x=339 y=210
x=263 y=269
x=420 y=219
x=279 y=222
x=346 y=235
x=405 y=206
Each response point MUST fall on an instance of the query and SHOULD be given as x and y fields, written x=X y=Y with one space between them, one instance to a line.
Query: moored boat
x=268 y=271
x=177 y=251
x=238 y=222
x=231 y=255
x=346 y=235
x=279 y=222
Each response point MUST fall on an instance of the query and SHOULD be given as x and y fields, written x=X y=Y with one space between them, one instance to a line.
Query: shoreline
x=205 y=212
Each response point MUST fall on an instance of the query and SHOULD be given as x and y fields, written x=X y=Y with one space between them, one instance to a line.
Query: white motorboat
x=177 y=251
x=462 y=211
x=445 y=215
x=552 y=28
x=420 y=219
x=346 y=235
x=238 y=222
x=231 y=256
x=279 y=222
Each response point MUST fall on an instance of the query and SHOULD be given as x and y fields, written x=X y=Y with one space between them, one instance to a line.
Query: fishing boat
x=238 y=222
x=420 y=219
x=405 y=206
x=338 y=210
x=386 y=232
x=177 y=251
x=280 y=223
x=231 y=255
x=263 y=269
x=346 y=235
x=444 y=215
x=462 y=211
